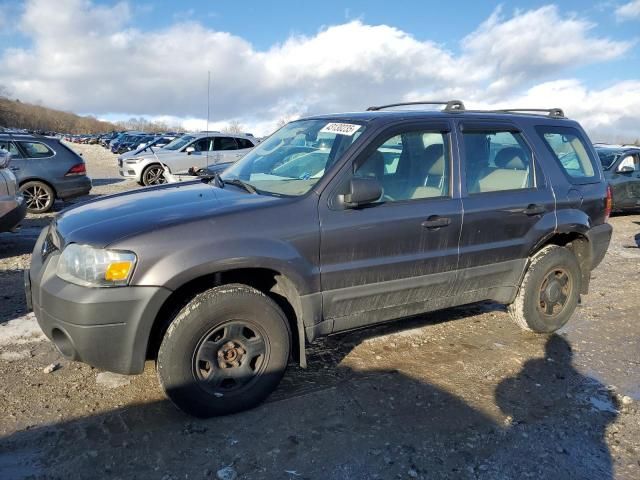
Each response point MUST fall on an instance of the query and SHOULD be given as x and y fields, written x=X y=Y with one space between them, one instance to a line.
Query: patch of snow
x=21 y=330
x=112 y=380
x=14 y=356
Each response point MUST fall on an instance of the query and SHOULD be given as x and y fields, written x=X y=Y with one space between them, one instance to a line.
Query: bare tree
x=233 y=127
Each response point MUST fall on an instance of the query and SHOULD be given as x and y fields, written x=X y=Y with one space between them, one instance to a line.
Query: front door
x=625 y=185
x=508 y=206
x=397 y=256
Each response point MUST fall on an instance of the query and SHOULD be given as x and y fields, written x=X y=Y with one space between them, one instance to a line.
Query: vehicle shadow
x=12 y=299
x=101 y=182
x=367 y=423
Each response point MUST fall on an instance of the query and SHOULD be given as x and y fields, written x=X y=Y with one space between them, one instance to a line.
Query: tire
x=549 y=292
x=224 y=352
x=39 y=196
x=152 y=175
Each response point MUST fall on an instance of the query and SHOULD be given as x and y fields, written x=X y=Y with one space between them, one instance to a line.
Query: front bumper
x=12 y=212
x=131 y=170
x=108 y=328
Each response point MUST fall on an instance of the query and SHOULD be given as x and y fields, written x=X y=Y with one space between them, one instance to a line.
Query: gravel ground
x=461 y=393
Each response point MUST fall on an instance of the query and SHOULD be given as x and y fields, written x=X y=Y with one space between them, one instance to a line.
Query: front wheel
x=224 y=352
x=153 y=175
x=549 y=292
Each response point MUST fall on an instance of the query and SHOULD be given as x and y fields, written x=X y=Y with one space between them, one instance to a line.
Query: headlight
x=95 y=267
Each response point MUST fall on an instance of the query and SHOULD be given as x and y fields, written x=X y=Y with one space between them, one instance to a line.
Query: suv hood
x=105 y=220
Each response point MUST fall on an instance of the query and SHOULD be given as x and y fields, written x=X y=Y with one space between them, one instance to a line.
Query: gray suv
x=13 y=208
x=46 y=170
x=332 y=223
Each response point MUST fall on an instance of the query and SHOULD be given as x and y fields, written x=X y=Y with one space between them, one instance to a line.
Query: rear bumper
x=108 y=328
x=599 y=238
x=12 y=212
x=73 y=187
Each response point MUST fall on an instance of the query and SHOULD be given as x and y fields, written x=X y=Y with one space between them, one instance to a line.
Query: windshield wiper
x=239 y=183
x=206 y=177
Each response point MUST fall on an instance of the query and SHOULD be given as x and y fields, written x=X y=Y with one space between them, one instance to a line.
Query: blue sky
x=598 y=39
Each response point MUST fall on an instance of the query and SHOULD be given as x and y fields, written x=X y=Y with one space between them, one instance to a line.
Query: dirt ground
x=461 y=393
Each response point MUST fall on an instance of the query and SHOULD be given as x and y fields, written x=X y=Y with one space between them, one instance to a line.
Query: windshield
x=294 y=159
x=179 y=142
x=608 y=157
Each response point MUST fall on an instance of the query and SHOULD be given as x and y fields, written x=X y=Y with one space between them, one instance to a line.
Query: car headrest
x=373 y=166
x=512 y=158
x=434 y=158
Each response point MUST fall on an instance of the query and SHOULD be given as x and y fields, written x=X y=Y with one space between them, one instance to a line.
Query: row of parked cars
x=46 y=170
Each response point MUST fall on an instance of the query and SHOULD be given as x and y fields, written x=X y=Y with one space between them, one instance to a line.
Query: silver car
x=13 y=208
x=199 y=150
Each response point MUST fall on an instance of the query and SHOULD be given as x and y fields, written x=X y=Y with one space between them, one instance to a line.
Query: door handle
x=15 y=169
x=435 y=222
x=534 y=209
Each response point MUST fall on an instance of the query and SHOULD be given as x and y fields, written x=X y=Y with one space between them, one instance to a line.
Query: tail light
x=78 y=169
x=608 y=204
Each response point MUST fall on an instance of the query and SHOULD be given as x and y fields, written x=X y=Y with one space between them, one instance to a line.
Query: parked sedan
x=13 y=207
x=45 y=169
x=621 y=167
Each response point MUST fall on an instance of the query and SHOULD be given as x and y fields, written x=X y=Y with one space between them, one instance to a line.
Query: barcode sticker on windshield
x=341 y=128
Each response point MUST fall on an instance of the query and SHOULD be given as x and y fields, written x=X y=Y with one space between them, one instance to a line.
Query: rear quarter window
x=36 y=150
x=570 y=150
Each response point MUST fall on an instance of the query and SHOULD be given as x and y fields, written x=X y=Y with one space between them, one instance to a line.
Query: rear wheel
x=153 y=175
x=549 y=292
x=38 y=196
x=224 y=352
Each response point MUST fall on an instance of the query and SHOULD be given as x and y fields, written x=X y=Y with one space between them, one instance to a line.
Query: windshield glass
x=608 y=157
x=179 y=142
x=294 y=159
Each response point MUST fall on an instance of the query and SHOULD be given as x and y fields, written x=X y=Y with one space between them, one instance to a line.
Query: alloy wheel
x=37 y=197
x=154 y=176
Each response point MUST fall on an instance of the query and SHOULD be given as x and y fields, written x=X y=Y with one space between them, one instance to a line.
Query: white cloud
x=628 y=11
x=89 y=58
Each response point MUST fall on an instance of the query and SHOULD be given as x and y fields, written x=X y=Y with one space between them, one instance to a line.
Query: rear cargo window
x=569 y=149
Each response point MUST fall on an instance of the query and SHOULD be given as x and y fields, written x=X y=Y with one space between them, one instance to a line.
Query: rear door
x=226 y=149
x=392 y=258
x=508 y=206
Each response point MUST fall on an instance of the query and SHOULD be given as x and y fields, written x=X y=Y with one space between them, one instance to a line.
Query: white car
x=199 y=150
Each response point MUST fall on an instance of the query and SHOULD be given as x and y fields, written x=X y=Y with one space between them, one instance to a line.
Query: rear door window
x=244 y=143
x=225 y=143
x=11 y=148
x=497 y=160
x=571 y=152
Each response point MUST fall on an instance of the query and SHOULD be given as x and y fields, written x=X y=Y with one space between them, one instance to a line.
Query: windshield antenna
x=208 y=110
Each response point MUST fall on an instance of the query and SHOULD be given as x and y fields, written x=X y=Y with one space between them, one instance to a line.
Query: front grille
x=48 y=246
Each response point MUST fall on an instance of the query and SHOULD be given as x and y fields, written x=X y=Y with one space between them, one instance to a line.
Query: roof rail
x=450 y=105
x=551 y=112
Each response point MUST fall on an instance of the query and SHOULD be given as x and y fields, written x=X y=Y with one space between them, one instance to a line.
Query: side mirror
x=362 y=191
x=626 y=169
x=190 y=150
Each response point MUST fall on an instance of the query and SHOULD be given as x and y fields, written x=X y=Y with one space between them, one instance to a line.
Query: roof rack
x=552 y=112
x=450 y=105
